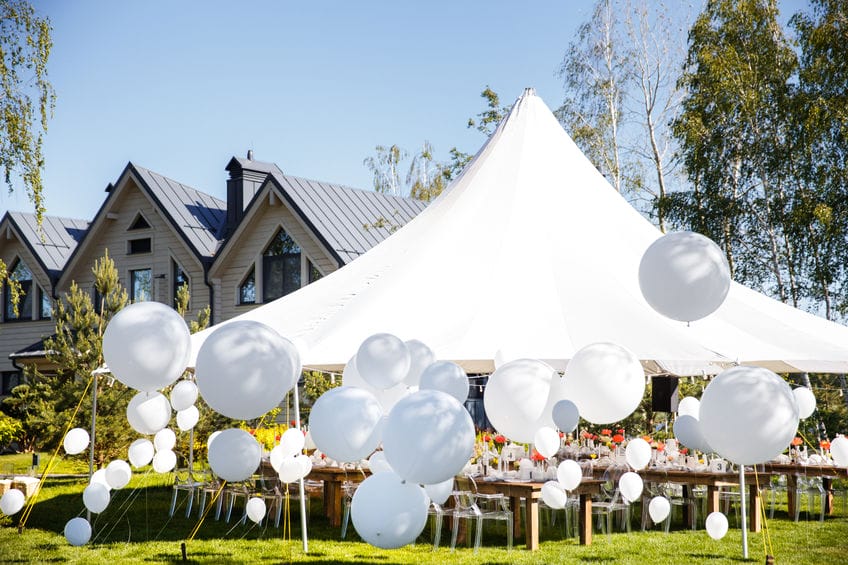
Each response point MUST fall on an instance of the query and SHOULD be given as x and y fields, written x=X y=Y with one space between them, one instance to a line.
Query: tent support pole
x=303 y=500
x=92 y=437
x=743 y=511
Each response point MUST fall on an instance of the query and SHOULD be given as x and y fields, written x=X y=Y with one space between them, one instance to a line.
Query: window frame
x=285 y=262
x=132 y=285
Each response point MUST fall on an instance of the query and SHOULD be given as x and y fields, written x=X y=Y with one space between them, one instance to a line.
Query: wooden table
x=334 y=478
x=794 y=471
x=531 y=493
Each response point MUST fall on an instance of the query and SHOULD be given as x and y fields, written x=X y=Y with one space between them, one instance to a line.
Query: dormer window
x=280 y=267
x=247 y=288
x=139 y=224
x=20 y=273
x=137 y=246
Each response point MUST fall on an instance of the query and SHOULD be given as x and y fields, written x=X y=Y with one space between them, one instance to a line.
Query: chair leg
x=173 y=503
x=454 y=532
x=345 y=519
x=189 y=503
x=478 y=537
x=509 y=532
x=437 y=530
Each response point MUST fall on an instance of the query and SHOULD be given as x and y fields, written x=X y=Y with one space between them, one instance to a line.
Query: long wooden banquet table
x=795 y=471
x=334 y=479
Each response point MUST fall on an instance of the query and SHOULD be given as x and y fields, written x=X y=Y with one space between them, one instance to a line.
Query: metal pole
x=303 y=501
x=94 y=376
x=744 y=514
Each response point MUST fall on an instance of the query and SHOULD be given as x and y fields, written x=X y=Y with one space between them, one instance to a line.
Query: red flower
x=277 y=437
x=606 y=432
x=825 y=444
x=620 y=431
x=499 y=439
x=487 y=438
x=594 y=436
x=293 y=424
x=684 y=451
x=587 y=435
x=536 y=456
x=796 y=441
x=561 y=434
x=618 y=438
x=660 y=446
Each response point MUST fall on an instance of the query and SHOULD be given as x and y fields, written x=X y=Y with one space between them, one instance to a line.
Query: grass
x=135 y=528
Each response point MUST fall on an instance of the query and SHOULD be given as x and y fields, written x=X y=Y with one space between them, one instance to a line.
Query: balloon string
x=768 y=548
x=206 y=512
x=287 y=524
x=52 y=461
x=808 y=442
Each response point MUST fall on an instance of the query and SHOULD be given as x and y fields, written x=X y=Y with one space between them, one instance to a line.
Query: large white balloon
x=659 y=509
x=165 y=439
x=806 y=401
x=188 y=418
x=569 y=474
x=443 y=435
x=140 y=452
x=689 y=431
x=387 y=398
x=346 y=423
x=447 y=377
x=292 y=442
x=684 y=276
x=291 y=470
x=78 y=530
x=96 y=497
x=99 y=476
x=839 y=451
x=183 y=395
x=748 y=415
x=565 y=415
x=147 y=345
x=605 y=381
x=255 y=509
x=519 y=398
x=630 y=485
x=164 y=461
x=378 y=464
x=389 y=512
x=546 y=441
x=12 y=501
x=245 y=368
x=420 y=357
x=638 y=453
x=716 y=525
x=383 y=360
x=148 y=412
x=689 y=406
x=118 y=474
x=234 y=455
x=76 y=440
x=554 y=495
x=440 y=492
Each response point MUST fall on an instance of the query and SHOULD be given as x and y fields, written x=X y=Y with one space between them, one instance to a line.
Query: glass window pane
x=46 y=309
x=314 y=273
x=23 y=275
x=140 y=285
x=247 y=290
x=180 y=280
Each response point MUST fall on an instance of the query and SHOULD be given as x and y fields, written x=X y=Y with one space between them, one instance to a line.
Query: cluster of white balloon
x=393 y=391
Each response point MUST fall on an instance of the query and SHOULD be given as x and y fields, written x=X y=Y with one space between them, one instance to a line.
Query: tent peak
x=529 y=91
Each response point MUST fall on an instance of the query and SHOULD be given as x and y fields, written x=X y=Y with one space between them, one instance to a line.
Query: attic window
x=247 y=288
x=136 y=246
x=280 y=267
x=139 y=224
x=20 y=273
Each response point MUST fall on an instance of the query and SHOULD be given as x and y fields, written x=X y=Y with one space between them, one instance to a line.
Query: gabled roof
x=61 y=236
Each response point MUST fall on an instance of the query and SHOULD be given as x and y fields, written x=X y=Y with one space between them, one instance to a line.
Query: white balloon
x=308 y=443
x=99 y=476
x=276 y=457
x=565 y=415
x=346 y=423
x=78 y=530
x=183 y=395
x=659 y=509
x=245 y=368
x=447 y=377
x=148 y=412
x=165 y=439
x=305 y=464
x=439 y=492
x=389 y=512
x=378 y=463
x=96 y=497
x=569 y=474
x=605 y=381
x=443 y=437
x=188 y=418
x=235 y=455
x=164 y=461
x=716 y=525
x=684 y=276
x=839 y=451
x=383 y=360
x=292 y=442
x=76 y=440
x=748 y=415
x=12 y=501
x=211 y=438
x=806 y=401
x=118 y=474
x=689 y=406
x=256 y=509
x=630 y=485
x=147 y=345
x=420 y=357
x=291 y=470
x=140 y=452
x=554 y=495
x=546 y=441
x=689 y=431
x=516 y=398
x=387 y=398
x=638 y=453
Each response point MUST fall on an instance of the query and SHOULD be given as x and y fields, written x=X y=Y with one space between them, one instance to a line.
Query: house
x=274 y=234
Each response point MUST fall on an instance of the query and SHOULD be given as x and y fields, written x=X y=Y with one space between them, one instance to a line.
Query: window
x=10 y=380
x=45 y=305
x=314 y=273
x=280 y=267
x=97 y=299
x=140 y=285
x=247 y=289
x=180 y=279
x=139 y=223
x=21 y=273
x=136 y=246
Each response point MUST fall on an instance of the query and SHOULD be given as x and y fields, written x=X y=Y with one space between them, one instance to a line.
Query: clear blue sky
x=181 y=86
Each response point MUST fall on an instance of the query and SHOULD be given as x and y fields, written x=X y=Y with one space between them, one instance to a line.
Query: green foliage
x=11 y=429
x=26 y=98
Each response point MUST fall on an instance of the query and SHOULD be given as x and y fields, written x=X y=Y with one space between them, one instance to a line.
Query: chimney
x=246 y=178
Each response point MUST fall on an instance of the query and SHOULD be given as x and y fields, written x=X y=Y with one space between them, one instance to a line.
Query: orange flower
x=620 y=431
x=536 y=456
x=825 y=444
x=606 y=432
x=660 y=446
x=487 y=438
x=796 y=441
x=618 y=438
x=685 y=451
x=499 y=439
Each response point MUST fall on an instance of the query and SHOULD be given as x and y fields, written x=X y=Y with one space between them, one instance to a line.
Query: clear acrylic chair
x=811 y=490
x=348 y=489
x=189 y=482
x=210 y=489
x=477 y=507
x=611 y=502
x=437 y=511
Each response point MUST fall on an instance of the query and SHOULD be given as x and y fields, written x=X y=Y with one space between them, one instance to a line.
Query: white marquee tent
x=531 y=253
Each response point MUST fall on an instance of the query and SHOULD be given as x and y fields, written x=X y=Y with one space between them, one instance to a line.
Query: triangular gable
x=50 y=246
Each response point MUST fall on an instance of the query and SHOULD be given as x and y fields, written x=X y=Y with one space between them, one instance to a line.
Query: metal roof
x=60 y=238
x=196 y=214
x=350 y=220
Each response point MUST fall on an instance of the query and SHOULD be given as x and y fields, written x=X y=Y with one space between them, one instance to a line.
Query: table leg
x=827 y=485
x=712 y=499
x=688 y=514
x=584 y=519
x=335 y=504
x=328 y=498
x=791 y=495
x=754 y=508
x=515 y=504
x=531 y=529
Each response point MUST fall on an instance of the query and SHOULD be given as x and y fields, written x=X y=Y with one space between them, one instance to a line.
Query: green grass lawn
x=135 y=528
